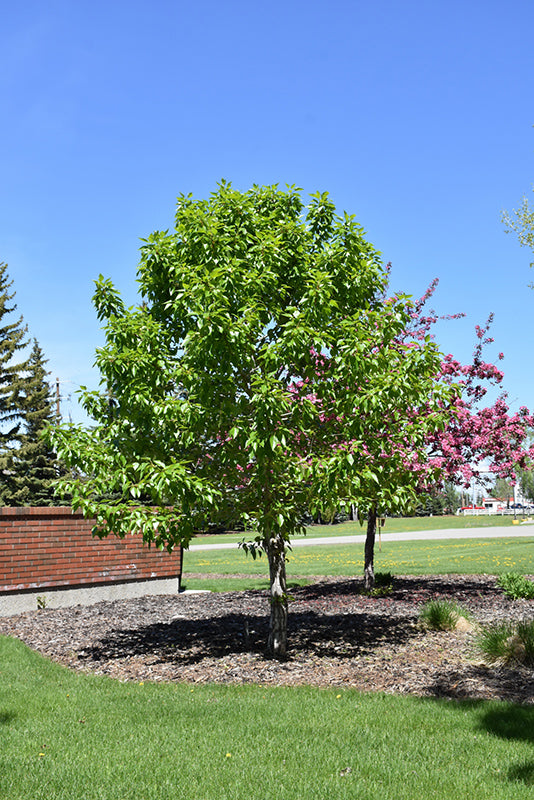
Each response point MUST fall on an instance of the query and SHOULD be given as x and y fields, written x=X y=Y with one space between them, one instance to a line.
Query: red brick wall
x=53 y=547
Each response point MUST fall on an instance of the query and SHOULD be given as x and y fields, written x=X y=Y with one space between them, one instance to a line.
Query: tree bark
x=369 y=555
x=277 y=641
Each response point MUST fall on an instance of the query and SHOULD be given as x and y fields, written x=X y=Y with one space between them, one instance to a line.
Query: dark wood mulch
x=337 y=636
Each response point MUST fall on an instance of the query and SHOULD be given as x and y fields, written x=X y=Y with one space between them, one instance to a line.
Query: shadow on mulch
x=189 y=641
x=408 y=588
x=323 y=622
x=469 y=586
x=506 y=683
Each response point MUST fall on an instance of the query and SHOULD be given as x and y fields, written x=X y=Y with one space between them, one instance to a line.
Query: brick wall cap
x=39 y=511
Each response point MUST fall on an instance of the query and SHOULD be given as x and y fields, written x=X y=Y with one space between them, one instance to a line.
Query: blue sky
x=417 y=116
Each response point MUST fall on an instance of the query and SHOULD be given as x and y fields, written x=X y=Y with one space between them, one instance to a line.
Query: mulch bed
x=338 y=637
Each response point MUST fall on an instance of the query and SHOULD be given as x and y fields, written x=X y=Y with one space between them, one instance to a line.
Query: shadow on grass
x=515 y=724
x=504 y=720
x=510 y=722
x=6 y=717
x=522 y=773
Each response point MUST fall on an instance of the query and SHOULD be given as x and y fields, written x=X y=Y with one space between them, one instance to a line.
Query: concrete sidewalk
x=523 y=529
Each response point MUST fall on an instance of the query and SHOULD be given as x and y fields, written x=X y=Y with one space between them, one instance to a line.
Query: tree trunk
x=368 y=570
x=277 y=641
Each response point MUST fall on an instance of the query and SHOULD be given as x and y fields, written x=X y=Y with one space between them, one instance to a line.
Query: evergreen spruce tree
x=33 y=465
x=27 y=465
x=12 y=341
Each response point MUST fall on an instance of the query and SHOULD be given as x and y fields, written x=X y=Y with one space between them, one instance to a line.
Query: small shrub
x=508 y=643
x=383 y=585
x=383 y=579
x=516 y=586
x=441 y=615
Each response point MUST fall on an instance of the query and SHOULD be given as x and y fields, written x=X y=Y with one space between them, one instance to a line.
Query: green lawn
x=393 y=525
x=405 y=524
x=468 y=556
x=81 y=737
x=66 y=735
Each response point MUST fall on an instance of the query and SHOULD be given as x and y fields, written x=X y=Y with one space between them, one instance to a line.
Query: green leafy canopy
x=262 y=373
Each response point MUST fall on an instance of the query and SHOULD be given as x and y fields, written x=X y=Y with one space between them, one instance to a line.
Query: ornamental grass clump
x=441 y=615
x=516 y=586
x=508 y=643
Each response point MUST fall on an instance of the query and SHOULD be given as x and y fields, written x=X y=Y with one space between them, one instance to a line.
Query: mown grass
x=407 y=524
x=438 y=557
x=66 y=735
x=393 y=525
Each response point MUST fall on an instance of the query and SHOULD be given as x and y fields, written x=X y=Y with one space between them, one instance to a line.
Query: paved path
x=524 y=529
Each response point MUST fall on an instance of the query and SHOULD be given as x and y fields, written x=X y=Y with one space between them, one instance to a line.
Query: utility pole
x=58 y=409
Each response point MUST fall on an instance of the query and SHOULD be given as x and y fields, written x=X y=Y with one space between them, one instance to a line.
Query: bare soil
x=337 y=636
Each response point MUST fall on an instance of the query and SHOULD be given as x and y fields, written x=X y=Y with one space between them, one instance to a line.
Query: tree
x=452 y=498
x=503 y=490
x=32 y=468
x=432 y=503
x=482 y=441
x=521 y=222
x=442 y=498
x=259 y=377
x=12 y=341
x=526 y=481
x=524 y=478
x=475 y=435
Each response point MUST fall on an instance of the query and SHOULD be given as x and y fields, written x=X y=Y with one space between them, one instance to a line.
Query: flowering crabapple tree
x=477 y=434
x=481 y=435
x=211 y=402
x=477 y=437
